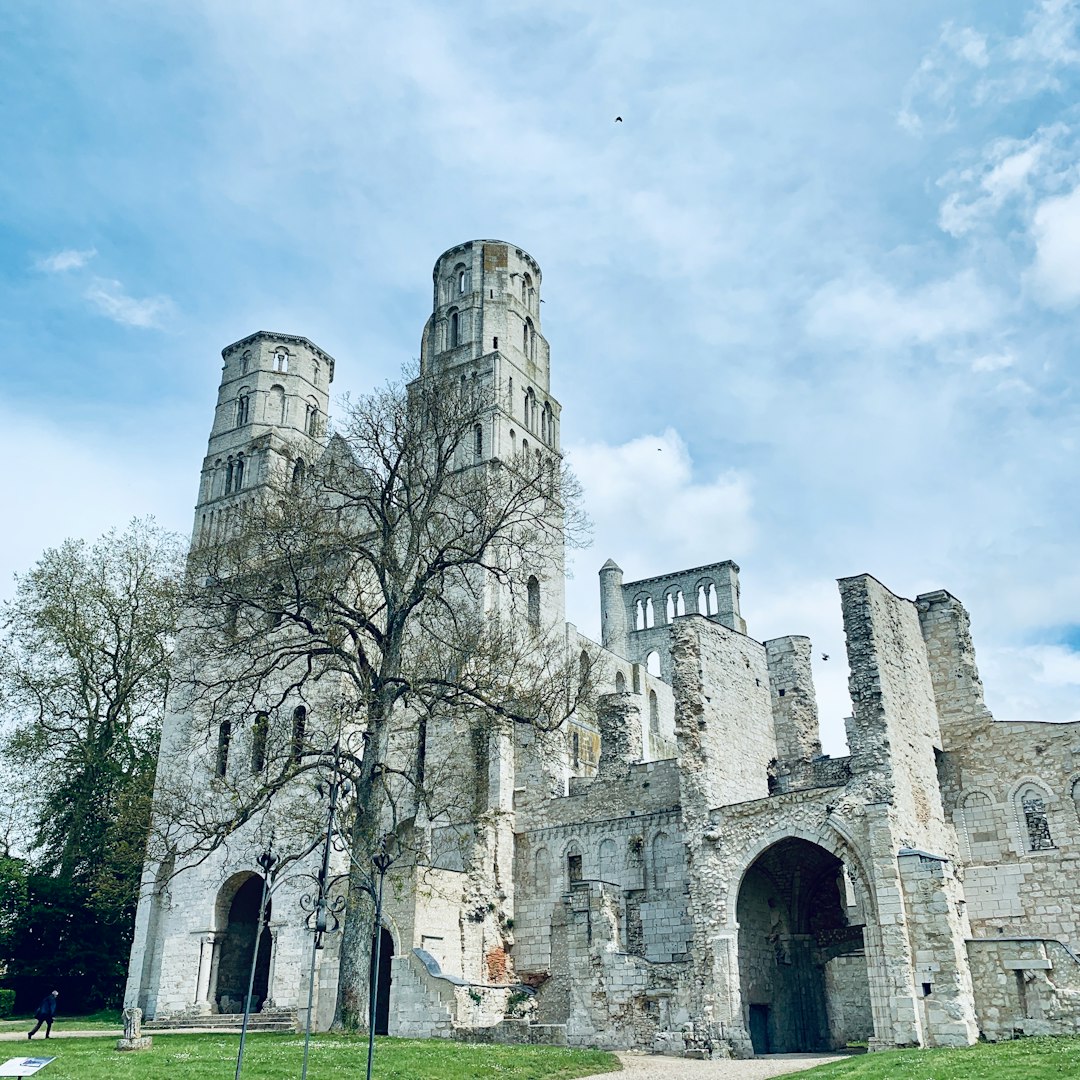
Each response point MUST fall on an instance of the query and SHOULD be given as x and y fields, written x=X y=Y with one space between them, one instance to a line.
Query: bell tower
x=269 y=421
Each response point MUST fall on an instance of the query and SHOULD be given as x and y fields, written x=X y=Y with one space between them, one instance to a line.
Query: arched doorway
x=382 y=992
x=237 y=946
x=802 y=961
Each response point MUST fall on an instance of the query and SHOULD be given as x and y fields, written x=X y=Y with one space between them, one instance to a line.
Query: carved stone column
x=206 y=962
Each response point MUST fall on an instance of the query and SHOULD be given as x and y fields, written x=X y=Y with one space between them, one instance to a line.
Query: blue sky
x=829 y=263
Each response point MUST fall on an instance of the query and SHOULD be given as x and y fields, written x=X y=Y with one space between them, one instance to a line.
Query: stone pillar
x=727 y=597
x=619 y=719
x=938 y=933
x=613 y=630
x=794 y=707
x=207 y=941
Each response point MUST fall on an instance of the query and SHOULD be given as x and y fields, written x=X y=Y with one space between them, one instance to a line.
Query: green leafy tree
x=84 y=674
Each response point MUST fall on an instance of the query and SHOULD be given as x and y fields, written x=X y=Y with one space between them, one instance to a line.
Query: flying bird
x=618 y=119
x=824 y=656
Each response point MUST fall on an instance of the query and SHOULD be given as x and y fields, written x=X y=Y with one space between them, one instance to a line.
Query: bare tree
x=396 y=581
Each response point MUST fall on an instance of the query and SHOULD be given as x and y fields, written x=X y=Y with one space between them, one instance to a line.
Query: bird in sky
x=618 y=119
x=824 y=656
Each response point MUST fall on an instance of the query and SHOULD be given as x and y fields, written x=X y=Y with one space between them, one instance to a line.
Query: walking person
x=46 y=1013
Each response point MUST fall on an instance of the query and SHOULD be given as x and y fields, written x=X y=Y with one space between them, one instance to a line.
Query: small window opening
x=927 y=989
x=259 y=732
x=639 y=615
x=620 y=683
x=652 y=664
x=281 y=360
x=534 y=601
x=238 y=473
x=241 y=410
x=649 y=617
x=245 y=361
x=455 y=330
x=478 y=441
x=573 y=867
x=714 y=607
x=299 y=729
x=298 y=473
x=495 y=343
x=224 y=737
x=654 y=712
x=575 y=743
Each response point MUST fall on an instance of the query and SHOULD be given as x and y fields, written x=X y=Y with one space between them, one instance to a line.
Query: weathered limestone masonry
x=681 y=869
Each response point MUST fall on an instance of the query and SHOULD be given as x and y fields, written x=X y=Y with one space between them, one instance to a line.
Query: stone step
x=267 y=1020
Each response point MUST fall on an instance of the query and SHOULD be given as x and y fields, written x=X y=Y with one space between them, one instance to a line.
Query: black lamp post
x=381 y=861
x=267 y=863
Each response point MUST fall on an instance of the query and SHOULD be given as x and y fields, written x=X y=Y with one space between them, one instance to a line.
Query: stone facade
x=687 y=872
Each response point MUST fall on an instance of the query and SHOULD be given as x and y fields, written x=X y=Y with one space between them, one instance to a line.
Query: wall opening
x=802 y=955
x=382 y=996
x=237 y=947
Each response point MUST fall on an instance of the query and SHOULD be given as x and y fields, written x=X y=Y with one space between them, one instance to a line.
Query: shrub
x=7 y=1002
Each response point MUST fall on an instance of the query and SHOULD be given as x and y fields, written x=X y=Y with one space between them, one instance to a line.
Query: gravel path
x=653 y=1067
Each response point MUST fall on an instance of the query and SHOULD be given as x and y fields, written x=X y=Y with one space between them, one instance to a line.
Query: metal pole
x=266 y=861
x=380 y=862
x=320 y=906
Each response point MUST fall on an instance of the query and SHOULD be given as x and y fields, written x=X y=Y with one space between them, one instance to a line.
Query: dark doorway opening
x=234 y=965
x=382 y=994
x=802 y=958
x=759 y=1028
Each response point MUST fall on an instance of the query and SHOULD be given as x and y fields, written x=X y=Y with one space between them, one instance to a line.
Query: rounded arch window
x=652 y=664
x=620 y=683
x=281 y=359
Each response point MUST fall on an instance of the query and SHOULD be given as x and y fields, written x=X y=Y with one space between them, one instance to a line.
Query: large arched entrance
x=382 y=992
x=238 y=945
x=802 y=961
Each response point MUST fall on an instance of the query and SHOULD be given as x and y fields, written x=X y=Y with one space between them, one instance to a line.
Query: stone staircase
x=267 y=1020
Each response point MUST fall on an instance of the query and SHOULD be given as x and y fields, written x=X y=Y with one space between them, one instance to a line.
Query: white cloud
x=68 y=259
x=651 y=514
x=993 y=362
x=1033 y=682
x=113 y=301
x=967 y=68
x=876 y=312
x=1055 y=230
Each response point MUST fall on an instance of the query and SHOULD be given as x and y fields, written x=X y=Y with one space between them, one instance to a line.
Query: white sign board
x=24 y=1066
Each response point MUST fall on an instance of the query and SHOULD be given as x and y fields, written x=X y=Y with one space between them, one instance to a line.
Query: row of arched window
x=260 y=735
x=280 y=362
x=227 y=476
x=675 y=605
x=215 y=524
x=276 y=409
x=659 y=858
x=981 y=820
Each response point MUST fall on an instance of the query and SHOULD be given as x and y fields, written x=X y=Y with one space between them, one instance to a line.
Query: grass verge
x=333 y=1057
x=1019 y=1059
x=105 y=1019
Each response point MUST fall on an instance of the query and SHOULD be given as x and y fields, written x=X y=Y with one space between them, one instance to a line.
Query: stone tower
x=269 y=421
x=485 y=324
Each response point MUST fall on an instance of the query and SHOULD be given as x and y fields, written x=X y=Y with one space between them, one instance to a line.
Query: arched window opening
x=652 y=664
x=1076 y=797
x=316 y=372
x=620 y=683
x=680 y=603
x=573 y=863
x=298 y=473
x=534 y=601
x=461 y=279
x=654 y=713
x=242 y=401
x=584 y=667
x=525 y=447
x=530 y=409
x=526 y=290
x=281 y=360
x=299 y=730
x=478 y=441
x=276 y=408
x=669 y=607
x=530 y=340
x=229 y=476
x=311 y=423
x=260 y=731
x=245 y=362
x=455 y=329
x=1036 y=826
x=649 y=616
x=238 y=473
x=525 y=338
x=714 y=607
x=548 y=424
x=639 y=615
x=575 y=749
x=702 y=601
x=224 y=737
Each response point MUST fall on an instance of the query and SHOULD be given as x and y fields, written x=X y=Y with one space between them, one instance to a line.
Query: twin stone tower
x=690 y=872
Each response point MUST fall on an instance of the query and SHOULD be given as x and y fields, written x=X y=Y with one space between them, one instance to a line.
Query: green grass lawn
x=278 y=1057
x=107 y=1018
x=1020 y=1059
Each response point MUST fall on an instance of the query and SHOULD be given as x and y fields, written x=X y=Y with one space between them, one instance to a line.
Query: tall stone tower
x=485 y=324
x=268 y=423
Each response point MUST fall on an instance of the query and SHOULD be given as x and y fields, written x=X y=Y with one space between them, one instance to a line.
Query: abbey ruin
x=692 y=872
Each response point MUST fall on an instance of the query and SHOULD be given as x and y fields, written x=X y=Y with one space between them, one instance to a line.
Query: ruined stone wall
x=1013 y=792
x=1025 y=986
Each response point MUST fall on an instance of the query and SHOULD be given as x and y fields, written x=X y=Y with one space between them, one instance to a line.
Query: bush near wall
x=7 y=1002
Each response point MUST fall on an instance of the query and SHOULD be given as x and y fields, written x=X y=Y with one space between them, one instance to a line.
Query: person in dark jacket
x=46 y=1013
